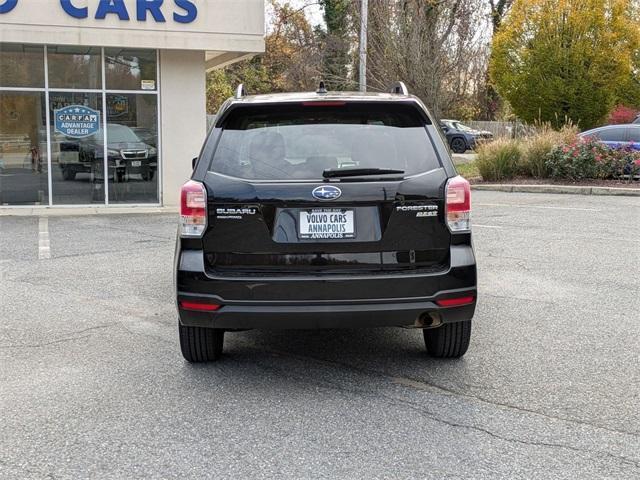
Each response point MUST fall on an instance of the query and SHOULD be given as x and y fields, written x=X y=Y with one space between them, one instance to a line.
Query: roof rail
x=399 y=88
x=240 y=91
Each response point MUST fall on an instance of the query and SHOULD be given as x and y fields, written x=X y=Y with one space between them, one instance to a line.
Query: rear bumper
x=409 y=314
x=326 y=301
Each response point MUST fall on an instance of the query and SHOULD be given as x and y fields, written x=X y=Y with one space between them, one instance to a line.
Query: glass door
x=77 y=148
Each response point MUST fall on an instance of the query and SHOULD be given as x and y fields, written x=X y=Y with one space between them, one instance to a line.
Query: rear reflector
x=200 y=307
x=455 y=302
x=193 y=209
x=458 y=205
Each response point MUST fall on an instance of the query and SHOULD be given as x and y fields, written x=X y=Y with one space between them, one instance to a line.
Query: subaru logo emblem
x=327 y=192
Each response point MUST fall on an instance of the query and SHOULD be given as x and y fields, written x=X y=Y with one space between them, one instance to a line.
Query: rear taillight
x=193 y=209
x=458 y=205
x=200 y=307
x=455 y=302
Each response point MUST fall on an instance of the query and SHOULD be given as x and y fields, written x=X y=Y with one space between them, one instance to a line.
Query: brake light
x=323 y=104
x=193 y=209
x=200 y=307
x=455 y=302
x=458 y=204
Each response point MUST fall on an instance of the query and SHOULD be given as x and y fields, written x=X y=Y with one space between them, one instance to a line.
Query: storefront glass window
x=82 y=110
x=75 y=67
x=132 y=141
x=77 y=166
x=128 y=69
x=23 y=149
x=21 y=65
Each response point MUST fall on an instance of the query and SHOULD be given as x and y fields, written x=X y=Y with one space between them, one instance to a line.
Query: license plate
x=327 y=223
x=136 y=163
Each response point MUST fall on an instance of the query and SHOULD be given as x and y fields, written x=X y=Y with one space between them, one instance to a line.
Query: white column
x=183 y=119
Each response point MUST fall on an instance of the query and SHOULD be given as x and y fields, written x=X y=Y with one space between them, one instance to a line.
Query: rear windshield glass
x=301 y=142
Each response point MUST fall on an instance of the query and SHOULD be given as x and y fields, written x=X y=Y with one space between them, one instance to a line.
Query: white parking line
x=485 y=226
x=44 y=244
x=536 y=206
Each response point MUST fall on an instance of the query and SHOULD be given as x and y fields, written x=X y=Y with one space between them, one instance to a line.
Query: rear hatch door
x=271 y=209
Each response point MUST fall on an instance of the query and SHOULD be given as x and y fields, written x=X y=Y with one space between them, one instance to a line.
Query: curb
x=83 y=211
x=575 y=190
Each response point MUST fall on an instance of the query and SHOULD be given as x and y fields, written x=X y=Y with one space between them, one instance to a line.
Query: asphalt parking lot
x=92 y=384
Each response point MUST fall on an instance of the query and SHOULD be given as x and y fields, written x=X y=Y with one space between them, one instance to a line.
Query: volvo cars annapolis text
x=324 y=210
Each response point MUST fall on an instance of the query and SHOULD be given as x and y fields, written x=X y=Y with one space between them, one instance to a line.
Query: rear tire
x=451 y=340
x=201 y=344
x=458 y=145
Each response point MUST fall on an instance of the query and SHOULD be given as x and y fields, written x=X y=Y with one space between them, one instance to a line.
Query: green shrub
x=499 y=159
x=537 y=148
x=556 y=154
x=535 y=153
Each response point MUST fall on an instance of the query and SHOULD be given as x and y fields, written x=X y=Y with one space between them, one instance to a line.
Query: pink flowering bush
x=555 y=154
x=587 y=158
x=622 y=114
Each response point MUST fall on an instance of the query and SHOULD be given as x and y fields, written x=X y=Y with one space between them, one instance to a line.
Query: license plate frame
x=332 y=233
x=136 y=163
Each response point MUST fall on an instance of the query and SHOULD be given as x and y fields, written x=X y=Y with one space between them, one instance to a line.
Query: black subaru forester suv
x=325 y=210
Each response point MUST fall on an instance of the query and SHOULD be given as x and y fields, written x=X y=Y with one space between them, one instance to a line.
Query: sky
x=311 y=9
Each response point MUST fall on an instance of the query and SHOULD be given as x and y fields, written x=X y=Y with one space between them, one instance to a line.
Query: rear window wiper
x=359 y=172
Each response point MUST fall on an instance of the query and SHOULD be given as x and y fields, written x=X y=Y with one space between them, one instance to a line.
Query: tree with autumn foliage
x=559 y=60
x=622 y=114
x=291 y=62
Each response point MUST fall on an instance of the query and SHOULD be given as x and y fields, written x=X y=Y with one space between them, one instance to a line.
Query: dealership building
x=103 y=102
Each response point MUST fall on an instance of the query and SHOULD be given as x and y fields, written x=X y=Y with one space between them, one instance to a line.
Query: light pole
x=364 y=25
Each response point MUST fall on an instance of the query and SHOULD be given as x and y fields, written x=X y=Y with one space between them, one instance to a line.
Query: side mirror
x=193 y=163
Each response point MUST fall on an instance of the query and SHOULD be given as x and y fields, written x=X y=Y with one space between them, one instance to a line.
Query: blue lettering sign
x=187 y=10
x=152 y=6
x=8 y=5
x=77 y=121
x=112 y=6
x=74 y=11
x=191 y=12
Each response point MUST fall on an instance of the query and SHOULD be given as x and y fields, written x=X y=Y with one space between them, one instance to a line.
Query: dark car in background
x=126 y=152
x=461 y=137
x=147 y=135
x=616 y=136
x=325 y=210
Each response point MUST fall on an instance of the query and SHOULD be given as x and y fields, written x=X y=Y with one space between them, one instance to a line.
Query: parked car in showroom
x=127 y=155
x=461 y=137
x=616 y=136
x=325 y=210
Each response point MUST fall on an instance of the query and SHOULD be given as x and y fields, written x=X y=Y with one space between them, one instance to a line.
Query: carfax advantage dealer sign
x=77 y=121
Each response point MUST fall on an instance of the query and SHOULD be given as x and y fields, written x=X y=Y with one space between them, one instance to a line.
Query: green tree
x=490 y=101
x=291 y=62
x=628 y=92
x=555 y=60
x=336 y=43
x=218 y=90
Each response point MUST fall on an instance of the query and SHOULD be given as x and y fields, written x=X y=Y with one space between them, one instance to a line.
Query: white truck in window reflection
x=128 y=155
